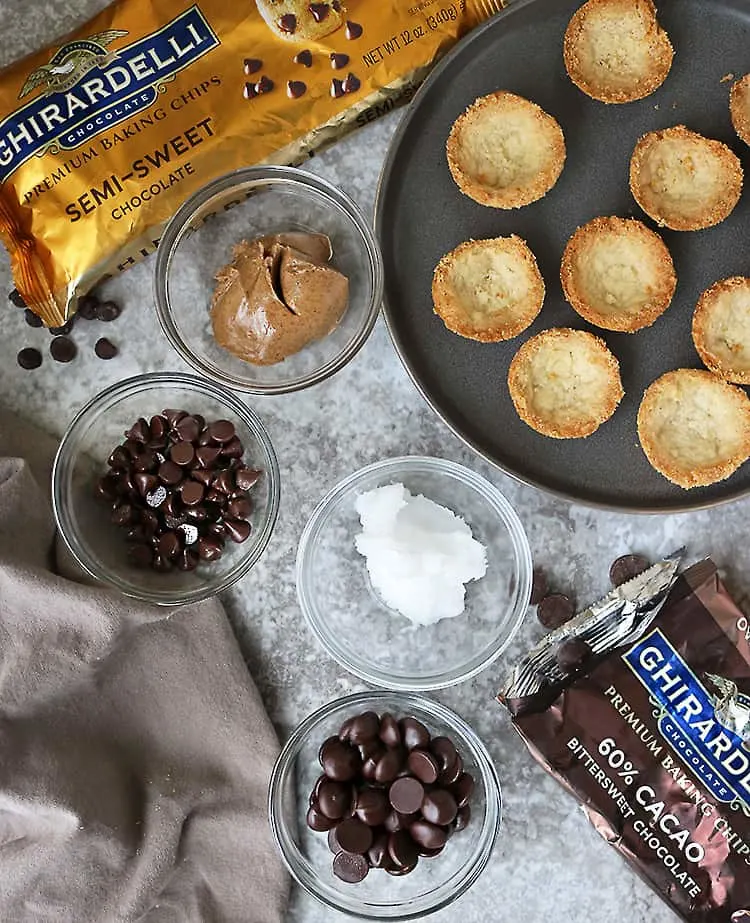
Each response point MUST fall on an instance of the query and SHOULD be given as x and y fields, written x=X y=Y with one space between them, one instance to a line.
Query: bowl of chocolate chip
x=385 y=805
x=268 y=280
x=166 y=488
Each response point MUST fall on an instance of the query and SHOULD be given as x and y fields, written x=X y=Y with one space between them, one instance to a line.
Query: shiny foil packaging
x=104 y=135
x=651 y=733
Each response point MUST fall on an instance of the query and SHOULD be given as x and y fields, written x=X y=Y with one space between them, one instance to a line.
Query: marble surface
x=369 y=411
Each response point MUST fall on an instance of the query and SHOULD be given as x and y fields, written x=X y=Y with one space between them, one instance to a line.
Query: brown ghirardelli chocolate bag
x=652 y=736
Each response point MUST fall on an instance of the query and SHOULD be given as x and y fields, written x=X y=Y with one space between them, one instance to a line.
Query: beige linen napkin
x=135 y=752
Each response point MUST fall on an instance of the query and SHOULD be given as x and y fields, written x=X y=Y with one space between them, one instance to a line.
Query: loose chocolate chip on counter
x=352 y=83
x=572 y=653
x=62 y=349
x=339 y=60
x=33 y=320
x=555 y=610
x=626 y=567
x=16 y=298
x=350 y=867
x=337 y=88
x=252 y=65
x=105 y=349
x=353 y=30
x=319 y=11
x=304 y=58
x=107 y=311
x=29 y=358
x=539 y=587
x=295 y=89
x=249 y=91
x=64 y=330
x=288 y=23
x=87 y=307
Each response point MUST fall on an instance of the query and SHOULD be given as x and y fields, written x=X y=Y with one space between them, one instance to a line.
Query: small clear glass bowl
x=434 y=883
x=83 y=518
x=381 y=646
x=243 y=205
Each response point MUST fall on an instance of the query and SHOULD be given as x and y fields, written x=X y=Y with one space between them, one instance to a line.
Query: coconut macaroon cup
x=504 y=151
x=683 y=180
x=694 y=428
x=618 y=274
x=721 y=329
x=616 y=51
x=488 y=290
x=739 y=107
x=565 y=383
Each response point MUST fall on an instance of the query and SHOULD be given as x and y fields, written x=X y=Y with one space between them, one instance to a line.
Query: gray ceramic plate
x=421 y=215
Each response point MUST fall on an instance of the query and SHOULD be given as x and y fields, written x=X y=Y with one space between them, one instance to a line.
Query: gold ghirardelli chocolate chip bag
x=103 y=136
x=650 y=730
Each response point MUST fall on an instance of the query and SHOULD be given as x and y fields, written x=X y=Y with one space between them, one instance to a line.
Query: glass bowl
x=83 y=518
x=246 y=204
x=434 y=883
x=382 y=646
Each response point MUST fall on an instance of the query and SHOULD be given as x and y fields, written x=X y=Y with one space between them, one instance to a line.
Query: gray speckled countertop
x=368 y=411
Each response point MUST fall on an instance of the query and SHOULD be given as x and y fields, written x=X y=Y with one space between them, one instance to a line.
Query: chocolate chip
x=29 y=358
x=168 y=544
x=354 y=836
x=170 y=473
x=182 y=453
x=539 y=587
x=352 y=84
x=139 y=431
x=462 y=818
x=249 y=91
x=145 y=483
x=107 y=311
x=210 y=549
x=350 y=867
x=406 y=795
x=64 y=330
x=428 y=835
x=187 y=560
x=353 y=30
x=334 y=799
x=339 y=760
x=439 y=807
x=390 y=765
x=337 y=88
x=555 y=610
x=239 y=508
x=627 y=567
x=339 y=60
x=232 y=449
x=372 y=806
x=424 y=766
x=87 y=307
x=317 y=821
x=62 y=349
x=572 y=654
x=264 y=85
x=304 y=58
x=402 y=849
x=445 y=751
x=245 y=478
x=191 y=493
x=295 y=89
x=364 y=728
x=414 y=733
x=16 y=298
x=221 y=431
x=105 y=349
x=187 y=429
x=33 y=320
x=319 y=11
x=377 y=854
x=463 y=789
x=207 y=456
x=452 y=774
x=288 y=23
x=252 y=65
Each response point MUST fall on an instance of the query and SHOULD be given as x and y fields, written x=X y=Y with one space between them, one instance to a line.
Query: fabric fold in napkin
x=135 y=751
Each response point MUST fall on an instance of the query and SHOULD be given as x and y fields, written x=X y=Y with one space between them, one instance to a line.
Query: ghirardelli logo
x=72 y=62
x=706 y=722
x=87 y=87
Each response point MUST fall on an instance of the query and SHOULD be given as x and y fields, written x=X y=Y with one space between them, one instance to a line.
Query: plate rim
x=386 y=171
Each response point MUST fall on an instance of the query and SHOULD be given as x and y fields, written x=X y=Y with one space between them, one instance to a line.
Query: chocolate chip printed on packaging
x=650 y=731
x=104 y=135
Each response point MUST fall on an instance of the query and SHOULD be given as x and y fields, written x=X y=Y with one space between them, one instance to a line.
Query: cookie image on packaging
x=300 y=21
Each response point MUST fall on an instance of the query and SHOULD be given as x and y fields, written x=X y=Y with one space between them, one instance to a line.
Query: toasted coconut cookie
x=684 y=181
x=694 y=427
x=618 y=274
x=505 y=151
x=488 y=290
x=721 y=329
x=565 y=383
x=739 y=107
x=616 y=51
